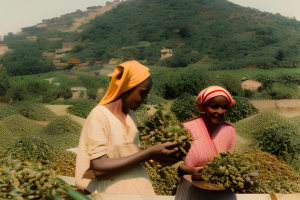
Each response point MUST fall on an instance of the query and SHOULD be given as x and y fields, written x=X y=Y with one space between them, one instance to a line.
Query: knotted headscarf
x=125 y=77
x=211 y=92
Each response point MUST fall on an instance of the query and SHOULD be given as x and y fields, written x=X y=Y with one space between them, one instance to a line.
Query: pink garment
x=205 y=147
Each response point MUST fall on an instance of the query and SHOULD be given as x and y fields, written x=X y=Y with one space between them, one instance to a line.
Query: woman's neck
x=117 y=108
x=211 y=127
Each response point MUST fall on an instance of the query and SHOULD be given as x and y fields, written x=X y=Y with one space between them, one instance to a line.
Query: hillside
x=228 y=35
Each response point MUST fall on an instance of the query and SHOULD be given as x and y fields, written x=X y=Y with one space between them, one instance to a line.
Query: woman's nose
x=221 y=111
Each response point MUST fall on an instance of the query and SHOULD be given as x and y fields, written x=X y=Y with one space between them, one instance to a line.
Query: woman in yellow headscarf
x=108 y=159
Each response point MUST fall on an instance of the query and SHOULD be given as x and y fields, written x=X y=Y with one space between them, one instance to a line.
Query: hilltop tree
x=4 y=81
x=26 y=59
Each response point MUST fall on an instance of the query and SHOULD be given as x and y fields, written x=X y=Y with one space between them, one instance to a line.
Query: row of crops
x=21 y=138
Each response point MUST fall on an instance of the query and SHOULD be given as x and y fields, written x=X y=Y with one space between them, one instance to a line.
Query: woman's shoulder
x=98 y=112
x=227 y=126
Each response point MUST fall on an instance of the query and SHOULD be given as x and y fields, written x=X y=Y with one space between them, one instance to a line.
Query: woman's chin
x=216 y=121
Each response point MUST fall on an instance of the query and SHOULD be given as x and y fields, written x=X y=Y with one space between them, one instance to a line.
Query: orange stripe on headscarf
x=132 y=73
x=211 y=92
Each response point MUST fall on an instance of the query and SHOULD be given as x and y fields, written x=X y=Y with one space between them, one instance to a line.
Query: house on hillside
x=165 y=53
x=41 y=25
x=3 y=48
x=31 y=38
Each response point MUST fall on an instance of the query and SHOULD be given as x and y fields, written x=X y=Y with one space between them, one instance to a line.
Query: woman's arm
x=107 y=166
x=187 y=170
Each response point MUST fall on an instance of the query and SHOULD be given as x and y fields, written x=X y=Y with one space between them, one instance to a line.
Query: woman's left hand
x=196 y=175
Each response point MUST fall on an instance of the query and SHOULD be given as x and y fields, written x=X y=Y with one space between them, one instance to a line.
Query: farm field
x=62 y=127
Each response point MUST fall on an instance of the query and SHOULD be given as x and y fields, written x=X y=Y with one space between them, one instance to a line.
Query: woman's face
x=215 y=109
x=134 y=97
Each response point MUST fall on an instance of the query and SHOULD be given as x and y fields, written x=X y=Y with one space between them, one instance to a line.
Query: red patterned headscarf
x=211 y=92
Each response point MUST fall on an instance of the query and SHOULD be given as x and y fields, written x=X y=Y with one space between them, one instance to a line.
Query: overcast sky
x=16 y=14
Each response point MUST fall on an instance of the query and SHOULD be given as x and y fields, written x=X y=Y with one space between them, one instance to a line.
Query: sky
x=16 y=14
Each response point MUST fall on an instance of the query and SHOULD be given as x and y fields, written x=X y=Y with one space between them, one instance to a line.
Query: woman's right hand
x=196 y=175
x=164 y=154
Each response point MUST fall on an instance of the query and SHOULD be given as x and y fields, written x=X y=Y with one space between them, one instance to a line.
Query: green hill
x=228 y=35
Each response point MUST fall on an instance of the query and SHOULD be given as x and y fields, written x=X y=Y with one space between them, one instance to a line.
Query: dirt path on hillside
x=285 y=107
x=61 y=110
x=49 y=79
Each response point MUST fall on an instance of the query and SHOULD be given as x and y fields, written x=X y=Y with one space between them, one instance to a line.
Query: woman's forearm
x=106 y=166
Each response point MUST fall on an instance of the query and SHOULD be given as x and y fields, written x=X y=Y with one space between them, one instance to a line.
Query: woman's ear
x=119 y=76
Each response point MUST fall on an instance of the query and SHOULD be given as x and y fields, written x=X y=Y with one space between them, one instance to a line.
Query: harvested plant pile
x=24 y=180
x=159 y=129
x=164 y=180
x=229 y=170
x=274 y=176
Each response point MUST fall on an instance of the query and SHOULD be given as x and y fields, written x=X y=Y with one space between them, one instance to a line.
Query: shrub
x=154 y=100
x=92 y=93
x=141 y=114
x=241 y=109
x=38 y=86
x=282 y=91
x=82 y=108
x=62 y=125
x=7 y=110
x=31 y=148
x=232 y=84
x=16 y=92
x=279 y=139
x=185 y=107
x=65 y=92
x=20 y=124
x=50 y=95
x=35 y=111
x=4 y=81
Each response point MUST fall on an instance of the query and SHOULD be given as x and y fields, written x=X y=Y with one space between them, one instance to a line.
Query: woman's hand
x=165 y=155
x=196 y=175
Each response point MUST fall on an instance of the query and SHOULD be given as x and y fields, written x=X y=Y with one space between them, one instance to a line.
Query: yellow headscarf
x=132 y=73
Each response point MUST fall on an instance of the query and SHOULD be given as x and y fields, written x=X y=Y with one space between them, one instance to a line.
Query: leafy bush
x=38 y=86
x=185 y=107
x=31 y=148
x=282 y=91
x=4 y=81
x=51 y=95
x=19 y=124
x=7 y=110
x=65 y=91
x=141 y=114
x=280 y=139
x=92 y=93
x=232 y=84
x=16 y=91
x=82 y=108
x=62 y=125
x=262 y=119
x=35 y=111
x=242 y=108
x=154 y=100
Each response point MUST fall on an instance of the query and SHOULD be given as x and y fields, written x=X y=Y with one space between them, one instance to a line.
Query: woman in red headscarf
x=214 y=136
x=108 y=158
